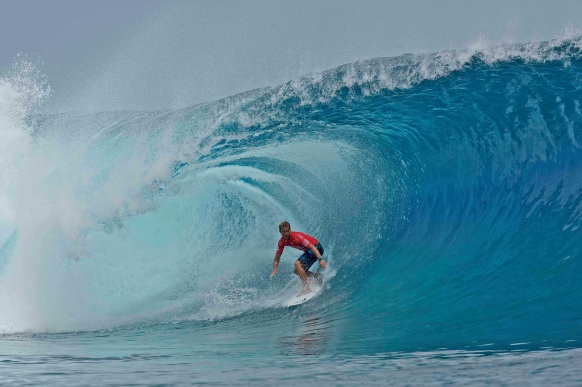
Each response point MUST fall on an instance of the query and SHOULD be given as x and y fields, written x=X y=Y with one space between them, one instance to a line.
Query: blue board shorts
x=308 y=258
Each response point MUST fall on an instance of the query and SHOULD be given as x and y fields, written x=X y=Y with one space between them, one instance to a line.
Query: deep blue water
x=136 y=247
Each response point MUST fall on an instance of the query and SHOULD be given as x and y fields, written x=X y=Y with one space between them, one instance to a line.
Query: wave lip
x=403 y=72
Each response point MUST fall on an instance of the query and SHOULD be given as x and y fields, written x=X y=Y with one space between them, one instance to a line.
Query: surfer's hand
x=274 y=272
x=322 y=263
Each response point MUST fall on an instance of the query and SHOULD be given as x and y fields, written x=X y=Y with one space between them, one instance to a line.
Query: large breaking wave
x=446 y=189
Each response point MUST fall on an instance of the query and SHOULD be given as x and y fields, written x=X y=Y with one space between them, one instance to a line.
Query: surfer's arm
x=317 y=255
x=276 y=264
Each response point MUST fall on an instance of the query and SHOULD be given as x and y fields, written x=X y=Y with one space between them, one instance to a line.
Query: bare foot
x=315 y=279
x=304 y=292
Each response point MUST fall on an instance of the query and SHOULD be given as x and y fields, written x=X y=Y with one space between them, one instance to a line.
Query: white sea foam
x=53 y=189
x=22 y=88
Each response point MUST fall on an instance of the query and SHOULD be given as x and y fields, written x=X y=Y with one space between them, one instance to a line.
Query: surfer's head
x=285 y=229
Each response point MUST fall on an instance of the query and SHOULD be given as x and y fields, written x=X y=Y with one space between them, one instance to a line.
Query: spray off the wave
x=22 y=88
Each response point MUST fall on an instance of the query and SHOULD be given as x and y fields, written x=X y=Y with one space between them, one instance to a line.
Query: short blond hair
x=284 y=224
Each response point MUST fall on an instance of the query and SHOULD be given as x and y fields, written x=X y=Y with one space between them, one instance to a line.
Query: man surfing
x=312 y=251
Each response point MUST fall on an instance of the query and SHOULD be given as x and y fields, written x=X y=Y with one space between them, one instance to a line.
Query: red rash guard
x=296 y=240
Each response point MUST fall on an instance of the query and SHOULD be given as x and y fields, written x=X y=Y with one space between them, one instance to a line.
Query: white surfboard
x=298 y=300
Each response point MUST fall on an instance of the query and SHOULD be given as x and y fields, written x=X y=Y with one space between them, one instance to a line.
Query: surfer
x=312 y=251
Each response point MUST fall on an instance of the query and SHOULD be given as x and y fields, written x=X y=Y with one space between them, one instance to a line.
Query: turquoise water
x=136 y=247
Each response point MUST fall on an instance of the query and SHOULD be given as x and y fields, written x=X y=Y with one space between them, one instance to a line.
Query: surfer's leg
x=300 y=271
x=310 y=257
x=302 y=266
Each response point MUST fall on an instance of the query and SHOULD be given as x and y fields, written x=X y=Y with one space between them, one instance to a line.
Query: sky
x=150 y=54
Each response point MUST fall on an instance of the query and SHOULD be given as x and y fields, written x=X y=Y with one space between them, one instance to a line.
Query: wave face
x=445 y=188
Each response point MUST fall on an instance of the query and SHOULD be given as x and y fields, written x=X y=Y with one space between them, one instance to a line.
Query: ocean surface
x=446 y=189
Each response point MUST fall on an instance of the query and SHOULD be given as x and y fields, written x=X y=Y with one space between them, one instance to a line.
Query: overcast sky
x=148 y=54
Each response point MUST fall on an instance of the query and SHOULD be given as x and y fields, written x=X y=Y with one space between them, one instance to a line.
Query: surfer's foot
x=315 y=278
x=304 y=291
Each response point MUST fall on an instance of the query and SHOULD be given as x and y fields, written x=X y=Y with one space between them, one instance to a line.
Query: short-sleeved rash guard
x=296 y=240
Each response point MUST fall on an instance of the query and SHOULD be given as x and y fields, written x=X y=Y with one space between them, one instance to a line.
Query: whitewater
x=446 y=188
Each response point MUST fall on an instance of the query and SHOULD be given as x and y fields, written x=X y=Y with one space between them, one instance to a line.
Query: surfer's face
x=285 y=232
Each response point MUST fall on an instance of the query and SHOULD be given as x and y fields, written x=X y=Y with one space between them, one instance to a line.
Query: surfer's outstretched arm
x=276 y=264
